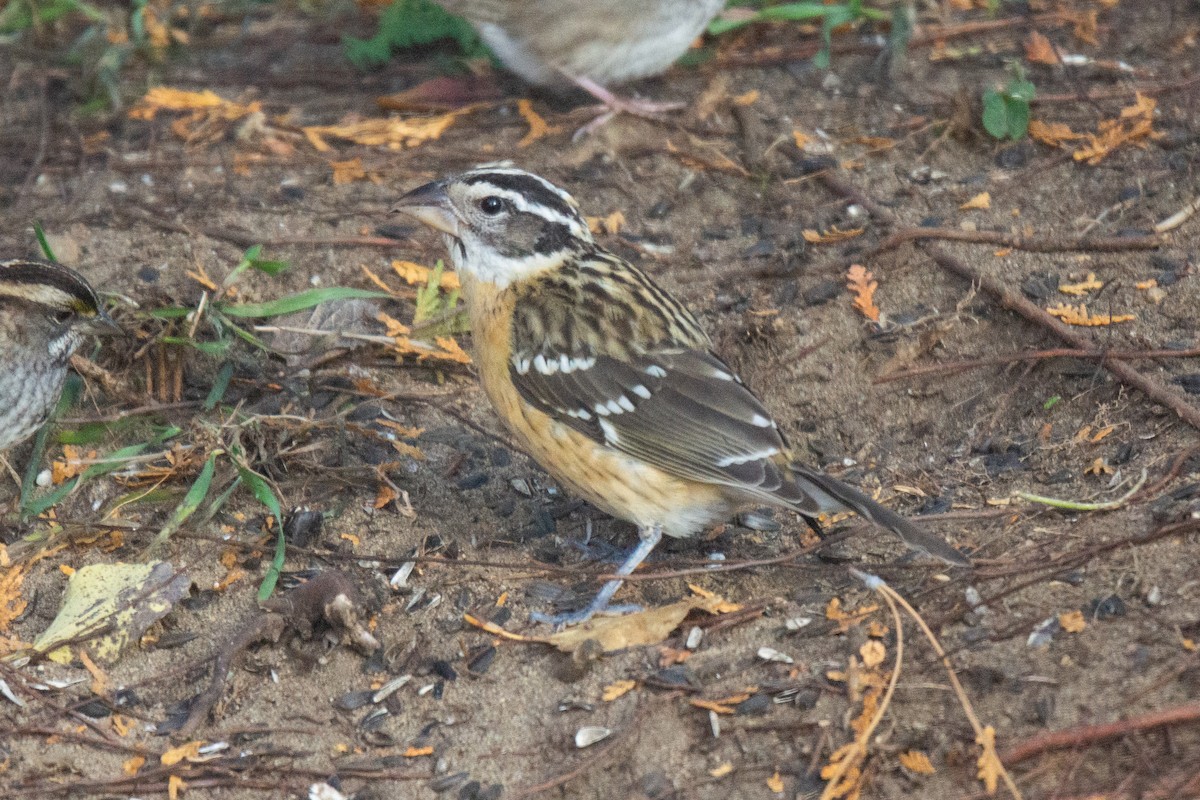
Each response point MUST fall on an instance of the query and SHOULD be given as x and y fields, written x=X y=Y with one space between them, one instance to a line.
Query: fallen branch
x=1090 y=734
x=1034 y=355
x=1031 y=244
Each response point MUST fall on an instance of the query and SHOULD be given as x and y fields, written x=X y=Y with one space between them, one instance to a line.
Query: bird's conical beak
x=101 y=325
x=431 y=205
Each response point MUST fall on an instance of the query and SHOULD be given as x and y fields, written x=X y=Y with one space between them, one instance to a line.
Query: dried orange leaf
x=394 y=133
x=175 y=785
x=722 y=770
x=617 y=689
x=1146 y=284
x=916 y=761
x=416 y=752
x=188 y=750
x=1102 y=434
x=1099 y=467
x=801 y=139
x=538 y=127
x=873 y=652
x=711 y=705
x=747 y=99
x=132 y=765
x=415 y=274
x=990 y=767
x=451 y=351
x=101 y=684
x=862 y=285
x=981 y=201
x=1053 y=133
x=1079 y=315
x=633 y=630
x=830 y=236
x=1072 y=621
x=1039 y=50
x=1089 y=284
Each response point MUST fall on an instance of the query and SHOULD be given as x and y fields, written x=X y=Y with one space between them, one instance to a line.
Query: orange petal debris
x=1072 y=621
x=394 y=133
x=775 y=783
x=979 y=202
x=916 y=761
x=1088 y=284
x=1134 y=126
x=1039 y=50
x=830 y=236
x=862 y=285
x=617 y=689
x=610 y=224
x=1080 y=316
x=538 y=127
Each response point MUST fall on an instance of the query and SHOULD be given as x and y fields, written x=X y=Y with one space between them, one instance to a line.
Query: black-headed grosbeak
x=608 y=381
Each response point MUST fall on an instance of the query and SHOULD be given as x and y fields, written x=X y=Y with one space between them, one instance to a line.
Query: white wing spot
x=614 y=407
x=600 y=409
x=759 y=421
x=580 y=413
x=641 y=391
x=569 y=365
x=723 y=375
x=523 y=366
x=543 y=366
x=655 y=371
x=729 y=461
x=626 y=403
x=610 y=432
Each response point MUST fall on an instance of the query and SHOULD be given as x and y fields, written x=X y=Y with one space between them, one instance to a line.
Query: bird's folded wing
x=679 y=409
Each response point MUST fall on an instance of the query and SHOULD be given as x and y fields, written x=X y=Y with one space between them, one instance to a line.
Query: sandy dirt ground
x=1070 y=618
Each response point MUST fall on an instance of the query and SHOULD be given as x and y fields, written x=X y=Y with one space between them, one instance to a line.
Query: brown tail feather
x=822 y=488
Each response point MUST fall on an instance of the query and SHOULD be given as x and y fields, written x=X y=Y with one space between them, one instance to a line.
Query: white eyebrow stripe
x=522 y=203
x=730 y=461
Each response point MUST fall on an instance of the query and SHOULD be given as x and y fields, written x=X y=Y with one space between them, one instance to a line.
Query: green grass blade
x=191 y=501
x=299 y=302
x=263 y=492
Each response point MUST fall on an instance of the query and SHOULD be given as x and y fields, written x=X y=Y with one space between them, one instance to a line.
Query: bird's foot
x=613 y=104
x=560 y=621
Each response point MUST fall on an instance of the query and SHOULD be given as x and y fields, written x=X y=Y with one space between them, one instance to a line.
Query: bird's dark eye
x=61 y=317
x=491 y=205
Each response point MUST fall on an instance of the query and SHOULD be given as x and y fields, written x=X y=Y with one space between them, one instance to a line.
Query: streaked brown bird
x=609 y=382
x=46 y=310
x=593 y=45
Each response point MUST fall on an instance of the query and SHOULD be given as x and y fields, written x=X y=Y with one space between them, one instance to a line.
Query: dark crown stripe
x=530 y=187
x=46 y=273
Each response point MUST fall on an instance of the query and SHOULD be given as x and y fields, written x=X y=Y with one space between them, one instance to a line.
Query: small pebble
x=695 y=635
x=589 y=735
x=771 y=654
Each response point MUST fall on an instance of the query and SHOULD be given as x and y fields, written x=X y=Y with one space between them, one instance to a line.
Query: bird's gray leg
x=650 y=537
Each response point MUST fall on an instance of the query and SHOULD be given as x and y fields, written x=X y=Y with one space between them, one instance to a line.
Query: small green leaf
x=995 y=114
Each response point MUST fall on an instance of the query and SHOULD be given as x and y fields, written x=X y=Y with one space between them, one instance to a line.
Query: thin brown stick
x=249 y=239
x=1031 y=244
x=1033 y=355
x=1082 y=735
